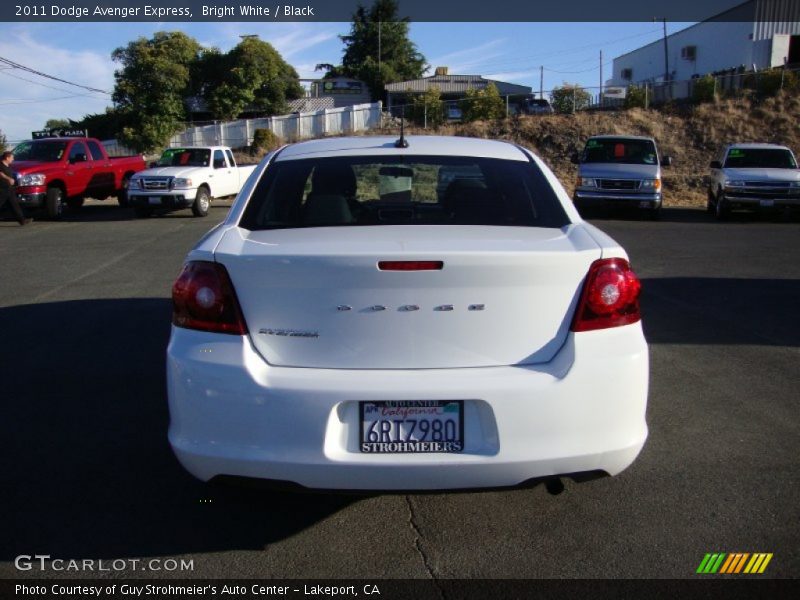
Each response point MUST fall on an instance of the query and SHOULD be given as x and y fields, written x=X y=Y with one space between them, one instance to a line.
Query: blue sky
x=514 y=52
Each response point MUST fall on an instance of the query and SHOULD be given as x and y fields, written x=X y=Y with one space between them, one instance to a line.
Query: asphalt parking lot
x=84 y=323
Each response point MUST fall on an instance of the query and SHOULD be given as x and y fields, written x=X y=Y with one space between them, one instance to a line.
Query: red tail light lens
x=610 y=296
x=203 y=298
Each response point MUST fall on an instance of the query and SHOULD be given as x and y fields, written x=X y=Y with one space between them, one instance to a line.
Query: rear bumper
x=589 y=199
x=232 y=414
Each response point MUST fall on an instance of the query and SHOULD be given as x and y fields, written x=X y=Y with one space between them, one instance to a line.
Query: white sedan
x=375 y=315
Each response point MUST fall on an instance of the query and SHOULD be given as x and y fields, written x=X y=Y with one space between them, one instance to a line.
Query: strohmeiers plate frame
x=447 y=448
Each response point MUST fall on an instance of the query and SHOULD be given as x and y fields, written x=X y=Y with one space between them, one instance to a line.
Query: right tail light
x=610 y=296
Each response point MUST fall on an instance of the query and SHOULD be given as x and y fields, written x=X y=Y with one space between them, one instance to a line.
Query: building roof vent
x=440 y=71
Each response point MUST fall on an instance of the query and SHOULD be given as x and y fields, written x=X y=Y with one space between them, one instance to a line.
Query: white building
x=760 y=33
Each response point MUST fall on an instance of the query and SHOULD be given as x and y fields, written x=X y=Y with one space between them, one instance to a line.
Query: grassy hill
x=692 y=135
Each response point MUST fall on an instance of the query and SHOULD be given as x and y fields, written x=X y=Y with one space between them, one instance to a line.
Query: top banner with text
x=415 y=10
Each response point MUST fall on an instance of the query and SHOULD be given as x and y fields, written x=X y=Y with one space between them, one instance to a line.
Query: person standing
x=7 y=192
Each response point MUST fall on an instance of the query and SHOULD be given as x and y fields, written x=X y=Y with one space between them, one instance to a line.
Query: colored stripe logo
x=734 y=563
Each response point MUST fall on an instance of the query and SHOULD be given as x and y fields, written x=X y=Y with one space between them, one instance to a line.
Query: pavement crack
x=412 y=521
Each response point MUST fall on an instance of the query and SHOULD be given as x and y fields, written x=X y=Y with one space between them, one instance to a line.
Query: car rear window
x=763 y=158
x=402 y=190
x=620 y=150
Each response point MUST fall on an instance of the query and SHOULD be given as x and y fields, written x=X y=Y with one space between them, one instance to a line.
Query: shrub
x=266 y=140
x=635 y=97
x=428 y=108
x=769 y=82
x=704 y=89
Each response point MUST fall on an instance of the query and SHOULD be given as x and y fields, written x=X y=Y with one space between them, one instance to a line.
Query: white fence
x=297 y=126
x=114 y=148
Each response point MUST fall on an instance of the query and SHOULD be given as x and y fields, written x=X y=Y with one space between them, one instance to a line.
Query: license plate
x=767 y=203
x=408 y=426
x=155 y=200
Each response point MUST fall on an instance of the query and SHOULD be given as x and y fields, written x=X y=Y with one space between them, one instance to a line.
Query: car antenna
x=402 y=142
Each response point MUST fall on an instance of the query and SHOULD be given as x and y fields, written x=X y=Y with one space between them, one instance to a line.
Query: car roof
x=426 y=145
x=755 y=145
x=621 y=137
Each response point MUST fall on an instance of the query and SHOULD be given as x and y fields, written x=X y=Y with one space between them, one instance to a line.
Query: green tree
x=570 y=97
x=3 y=142
x=398 y=58
x=482 y=104
x=252 y=75
x=428 y=108
x=104 y=126
x=57 y=123
x=151 y=87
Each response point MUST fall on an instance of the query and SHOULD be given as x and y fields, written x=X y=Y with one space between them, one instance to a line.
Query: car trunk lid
x=316 y=297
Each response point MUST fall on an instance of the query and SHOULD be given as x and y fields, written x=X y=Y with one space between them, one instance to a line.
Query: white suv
x=753 y=177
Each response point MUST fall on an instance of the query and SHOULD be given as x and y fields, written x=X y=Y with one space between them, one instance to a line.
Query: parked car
x=54 y=171
x=620 y=171
x=753 y=177
x=336 y=332
x=536 y=106
x=188 y=177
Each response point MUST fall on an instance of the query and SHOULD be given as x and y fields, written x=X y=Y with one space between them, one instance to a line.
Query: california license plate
x=405 y=426
x=767 y=203
x=155 y=200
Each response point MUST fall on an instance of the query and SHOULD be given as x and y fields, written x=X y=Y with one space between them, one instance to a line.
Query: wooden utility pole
x=601 y=79
x=666 y=52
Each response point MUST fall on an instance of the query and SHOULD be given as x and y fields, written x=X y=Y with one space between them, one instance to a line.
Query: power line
x=33 y=101
x=494 y=66
x=595 y=68
x=45 y=85
x=15 y=65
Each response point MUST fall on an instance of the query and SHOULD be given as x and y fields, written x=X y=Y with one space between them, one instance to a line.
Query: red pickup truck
x=54 y=171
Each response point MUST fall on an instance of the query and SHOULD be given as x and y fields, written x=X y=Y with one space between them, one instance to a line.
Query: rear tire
x=202 y=203
x=54 y=203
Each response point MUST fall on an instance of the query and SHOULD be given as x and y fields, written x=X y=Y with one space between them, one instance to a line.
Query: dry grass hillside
x=690 y=134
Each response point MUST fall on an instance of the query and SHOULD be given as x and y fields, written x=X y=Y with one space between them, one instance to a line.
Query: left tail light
x=203 y=298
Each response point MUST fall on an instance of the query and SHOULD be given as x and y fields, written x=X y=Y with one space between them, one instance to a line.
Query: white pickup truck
x=187 y=177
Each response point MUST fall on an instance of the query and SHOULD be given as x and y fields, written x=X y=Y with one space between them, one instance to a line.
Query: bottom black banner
x=390 y=589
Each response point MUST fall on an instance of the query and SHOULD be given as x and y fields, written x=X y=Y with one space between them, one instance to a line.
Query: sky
x=513 y=52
